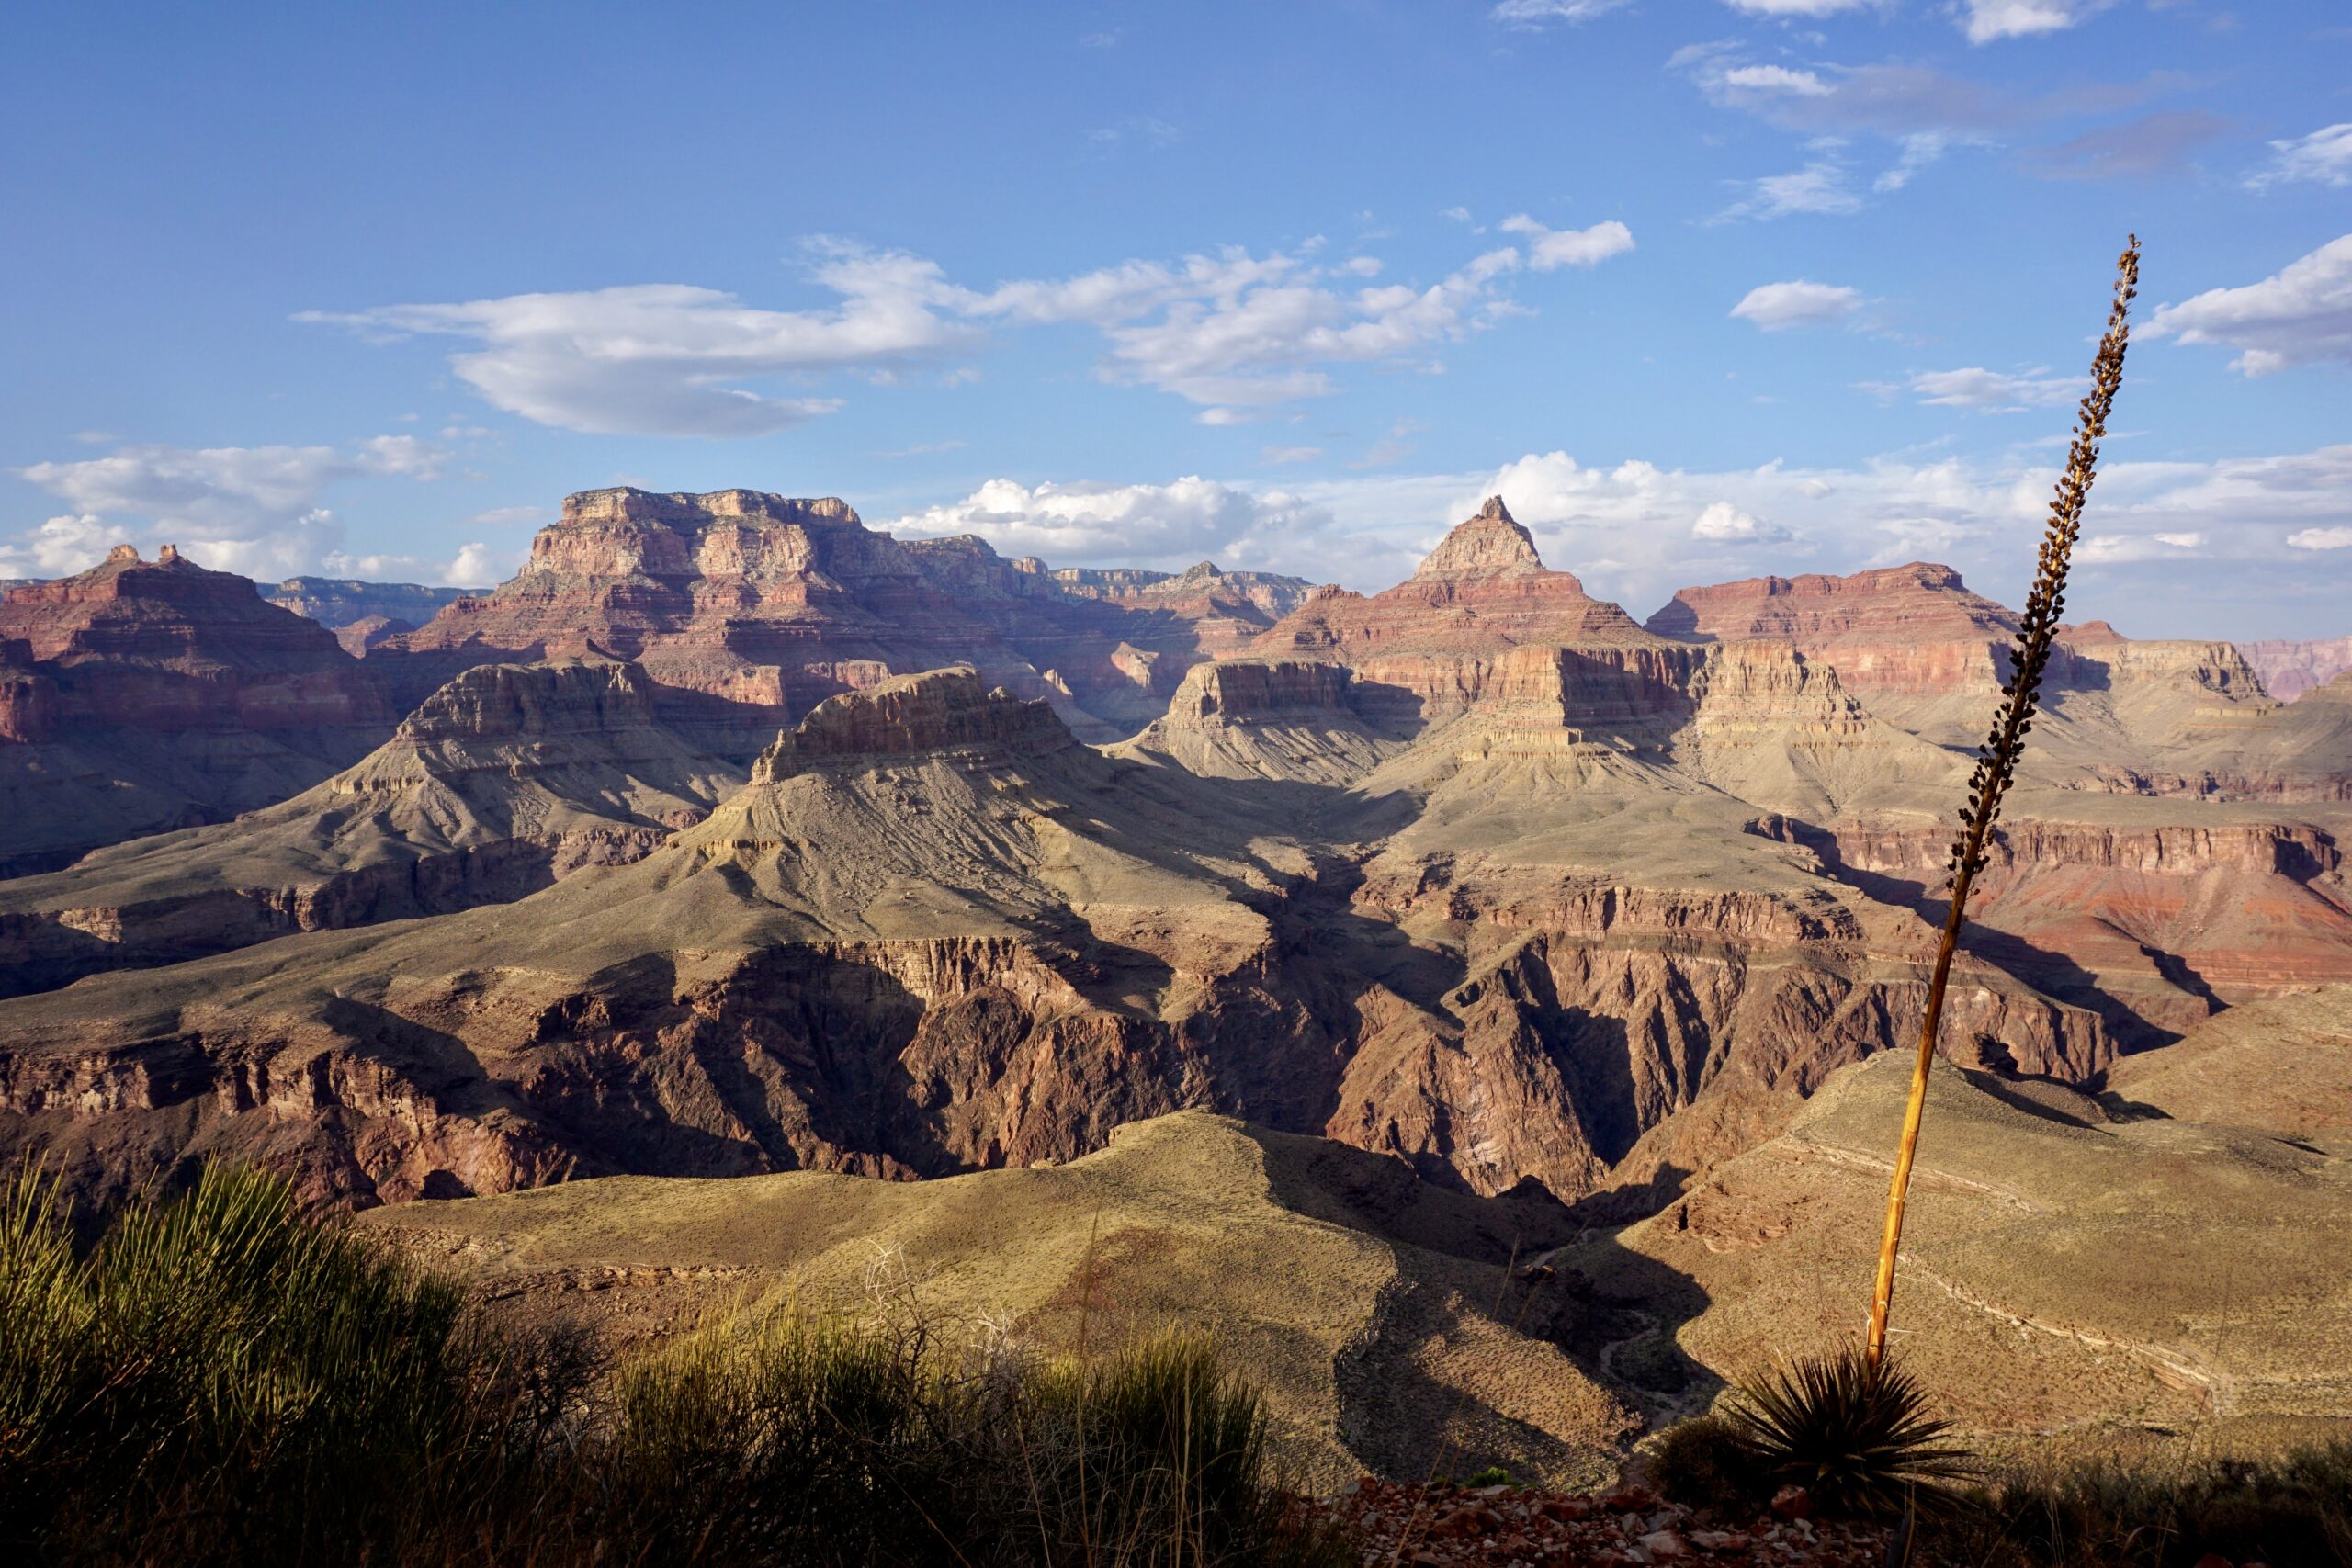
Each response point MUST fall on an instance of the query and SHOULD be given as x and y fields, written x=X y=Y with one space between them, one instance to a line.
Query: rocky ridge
x=503 y=781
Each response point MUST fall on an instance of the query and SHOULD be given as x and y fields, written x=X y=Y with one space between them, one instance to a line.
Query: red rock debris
x=1445 y=1526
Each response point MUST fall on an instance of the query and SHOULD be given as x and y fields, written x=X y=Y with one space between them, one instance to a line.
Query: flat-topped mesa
x=1242 y=690
x=938 y=710
x=498 y=702
x=1920 y=599
x=1490 y=544
x=683 y=509
x=1913 y=630
x=726 y=533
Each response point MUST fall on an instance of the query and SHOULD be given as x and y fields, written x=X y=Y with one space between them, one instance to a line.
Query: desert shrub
x=1858 y=1436
x=225 y=1375
x=225 y=1380
x=1700 y=1464
x=2295 y=1507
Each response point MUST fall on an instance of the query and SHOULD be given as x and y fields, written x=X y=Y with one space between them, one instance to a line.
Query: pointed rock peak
x=1205 y=572
x=167 y=556
x=1487 y=544
x=123 y=552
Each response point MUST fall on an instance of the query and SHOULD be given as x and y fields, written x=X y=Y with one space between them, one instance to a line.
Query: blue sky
x=1707 y=287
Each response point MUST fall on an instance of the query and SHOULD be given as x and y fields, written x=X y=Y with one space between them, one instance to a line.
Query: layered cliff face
x=141 y=696
x=503 y=781
x=1914 y=630
x=749 y=609
x=1288 y=720
x=337 y=602
x=1423 y=650
x=2291 y=669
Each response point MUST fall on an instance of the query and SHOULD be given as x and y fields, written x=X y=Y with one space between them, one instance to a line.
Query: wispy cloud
x=2325 y=158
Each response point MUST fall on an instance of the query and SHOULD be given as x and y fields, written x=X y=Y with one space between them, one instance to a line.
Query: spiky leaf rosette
x=1856 y=1435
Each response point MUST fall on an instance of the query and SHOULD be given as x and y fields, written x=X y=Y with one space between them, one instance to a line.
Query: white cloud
x=670 y=359
x=250 y=509
x=61 y=547
x=1819 y=187
x=1548 y=250
x=1631 y=528
x=1921 y=148
x=1775 y=307
x=475 y=565
x=1992 y=391
x=1723 y=523
x=2300 y=315
x=1777 y=79
x=1537 y=13
x=1985 y=21
x=1169 y=525
x=1233 y=329
x=2325 y=157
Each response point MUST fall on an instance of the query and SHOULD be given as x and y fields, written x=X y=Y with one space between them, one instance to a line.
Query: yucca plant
x=1855 y=1433
x=1996 y=761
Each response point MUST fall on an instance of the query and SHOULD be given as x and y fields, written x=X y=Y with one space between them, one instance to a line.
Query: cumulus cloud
x=1636 y=531
x=1994 y=391
x=1985 y=21
x=1164 y=526
x=1775 y=307
x=1548 y=250
x=61 y=547
x=250 y=509
x=2325 y=157
x=2300 y=315
x=1723 y=523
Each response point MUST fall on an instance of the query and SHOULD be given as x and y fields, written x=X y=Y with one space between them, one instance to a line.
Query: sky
x=1705 y=288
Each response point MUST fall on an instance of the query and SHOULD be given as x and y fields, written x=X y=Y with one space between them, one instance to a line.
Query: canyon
x=732 y=837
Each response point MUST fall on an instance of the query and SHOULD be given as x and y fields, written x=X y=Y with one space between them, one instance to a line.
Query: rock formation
x=503 y=781
x=2291 y=669
x=1281 y=720
x=141 y=696
x=338 y=602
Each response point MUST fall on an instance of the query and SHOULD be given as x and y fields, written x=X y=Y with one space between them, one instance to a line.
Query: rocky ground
x=1441 y=1525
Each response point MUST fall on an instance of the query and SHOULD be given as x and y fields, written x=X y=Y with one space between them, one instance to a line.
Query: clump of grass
x=223 y=1379
x=1702 y=1464
x=2295 y=1507
x=220 y=1349
x=1855 y=1433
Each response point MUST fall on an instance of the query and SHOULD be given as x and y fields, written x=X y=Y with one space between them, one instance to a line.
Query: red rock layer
x=1435 y=644
x=167 y=645
x=1915 y=629
x=750 y=609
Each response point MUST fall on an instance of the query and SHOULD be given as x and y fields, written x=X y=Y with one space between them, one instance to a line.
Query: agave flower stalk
x=1996 y=761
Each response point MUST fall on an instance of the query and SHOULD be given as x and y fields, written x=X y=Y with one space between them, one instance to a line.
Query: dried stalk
x=1997 y=762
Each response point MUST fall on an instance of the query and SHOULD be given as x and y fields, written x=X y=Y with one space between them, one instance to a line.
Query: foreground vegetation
x=221 y=1380
x=1820 y=1425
